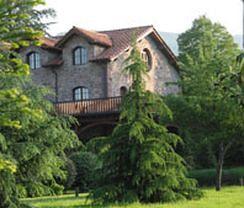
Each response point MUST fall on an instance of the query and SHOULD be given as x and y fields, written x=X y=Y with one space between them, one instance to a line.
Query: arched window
x=147 y=58
x=34 y=60
x=80 y=56
x=80 y=93
x=123 y=91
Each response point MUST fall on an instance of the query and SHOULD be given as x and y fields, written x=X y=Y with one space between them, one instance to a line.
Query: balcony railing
x=91 y=106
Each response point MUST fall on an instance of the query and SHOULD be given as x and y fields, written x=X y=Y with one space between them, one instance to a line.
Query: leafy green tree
x=212 y=89
x=38 y=146
x=209 y=41
x=139 y=158
x=32 y=138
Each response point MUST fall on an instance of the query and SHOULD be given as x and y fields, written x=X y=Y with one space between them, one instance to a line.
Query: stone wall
x=102 y=79
x=90 y=75
x=41 y=76
x=161 y=73
x=69 y=76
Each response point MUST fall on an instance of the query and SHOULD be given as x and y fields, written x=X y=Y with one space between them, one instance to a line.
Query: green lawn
x=229 y=197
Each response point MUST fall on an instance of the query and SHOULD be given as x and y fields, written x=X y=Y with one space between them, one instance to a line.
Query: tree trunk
x=241 y=181
x=219 y=168
x=77 y=192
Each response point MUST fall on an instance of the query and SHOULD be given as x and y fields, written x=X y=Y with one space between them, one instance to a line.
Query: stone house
x=84 y=67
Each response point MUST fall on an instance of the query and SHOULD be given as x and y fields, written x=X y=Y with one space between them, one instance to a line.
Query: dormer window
x=80 y=93
x=80 y=56
x=147 y=58
x=34 y=60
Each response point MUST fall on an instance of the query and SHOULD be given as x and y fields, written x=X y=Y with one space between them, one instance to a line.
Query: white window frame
x=34 y=60
x=80 y=93
x=80 y=56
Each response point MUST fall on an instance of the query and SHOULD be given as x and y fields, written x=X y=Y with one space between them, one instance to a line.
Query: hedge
x=206 y=177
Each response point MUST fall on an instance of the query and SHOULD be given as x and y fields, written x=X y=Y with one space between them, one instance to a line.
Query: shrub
x=206 y=177
x=36 y=189
x=22 y=193
x=86 y=164
x=56 y=189
x=71 y=174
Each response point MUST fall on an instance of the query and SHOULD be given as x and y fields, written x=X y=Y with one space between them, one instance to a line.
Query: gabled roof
x=91 y=36
x=122 y=40
x=115 y=42
x=49 y=43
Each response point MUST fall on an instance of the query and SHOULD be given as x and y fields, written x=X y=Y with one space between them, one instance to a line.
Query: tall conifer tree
x=139 y=161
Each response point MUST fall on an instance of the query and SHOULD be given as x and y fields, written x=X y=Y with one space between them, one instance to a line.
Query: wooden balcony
x=91 y=106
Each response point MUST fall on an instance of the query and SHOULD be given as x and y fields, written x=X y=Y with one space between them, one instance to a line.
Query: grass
x=228 y=197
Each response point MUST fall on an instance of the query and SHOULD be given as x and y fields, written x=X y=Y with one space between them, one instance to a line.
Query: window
x=147 y=58
x=80 y=56
x=34 y=60
x=123 y=91
x=80 y=93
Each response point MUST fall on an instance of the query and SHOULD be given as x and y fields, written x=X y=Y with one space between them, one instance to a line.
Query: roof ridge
x=93 y=31
x=48 y=38
x=93 y=36
x=128 y=28
x=98 y=33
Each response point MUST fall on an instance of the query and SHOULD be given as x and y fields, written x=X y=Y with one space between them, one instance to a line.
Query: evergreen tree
x=38 y=146
x=139 y=158
x=32 y=138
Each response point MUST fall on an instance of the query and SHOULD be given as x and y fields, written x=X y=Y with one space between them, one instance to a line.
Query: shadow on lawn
x=74 y=206
x=52 y=199
x=54 y=202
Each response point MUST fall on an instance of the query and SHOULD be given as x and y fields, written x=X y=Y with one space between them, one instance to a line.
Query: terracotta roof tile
x=114 y=41
x=49 y=43
x=121 y=39
x=92 y=36
x=96 y=37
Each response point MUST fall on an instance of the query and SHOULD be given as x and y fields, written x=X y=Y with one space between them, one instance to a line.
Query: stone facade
x=102 y=78
x=161 y=72
x=41 y=76
x=91 y=75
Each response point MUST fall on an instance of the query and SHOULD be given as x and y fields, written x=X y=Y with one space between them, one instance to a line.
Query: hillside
x=171 y=40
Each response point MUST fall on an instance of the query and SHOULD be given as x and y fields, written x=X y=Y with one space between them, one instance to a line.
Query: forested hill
x=171 y=40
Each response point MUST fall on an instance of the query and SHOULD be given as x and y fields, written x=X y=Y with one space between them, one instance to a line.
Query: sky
x=166 y=15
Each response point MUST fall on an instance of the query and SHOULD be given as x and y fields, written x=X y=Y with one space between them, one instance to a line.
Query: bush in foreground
x=86 y=165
